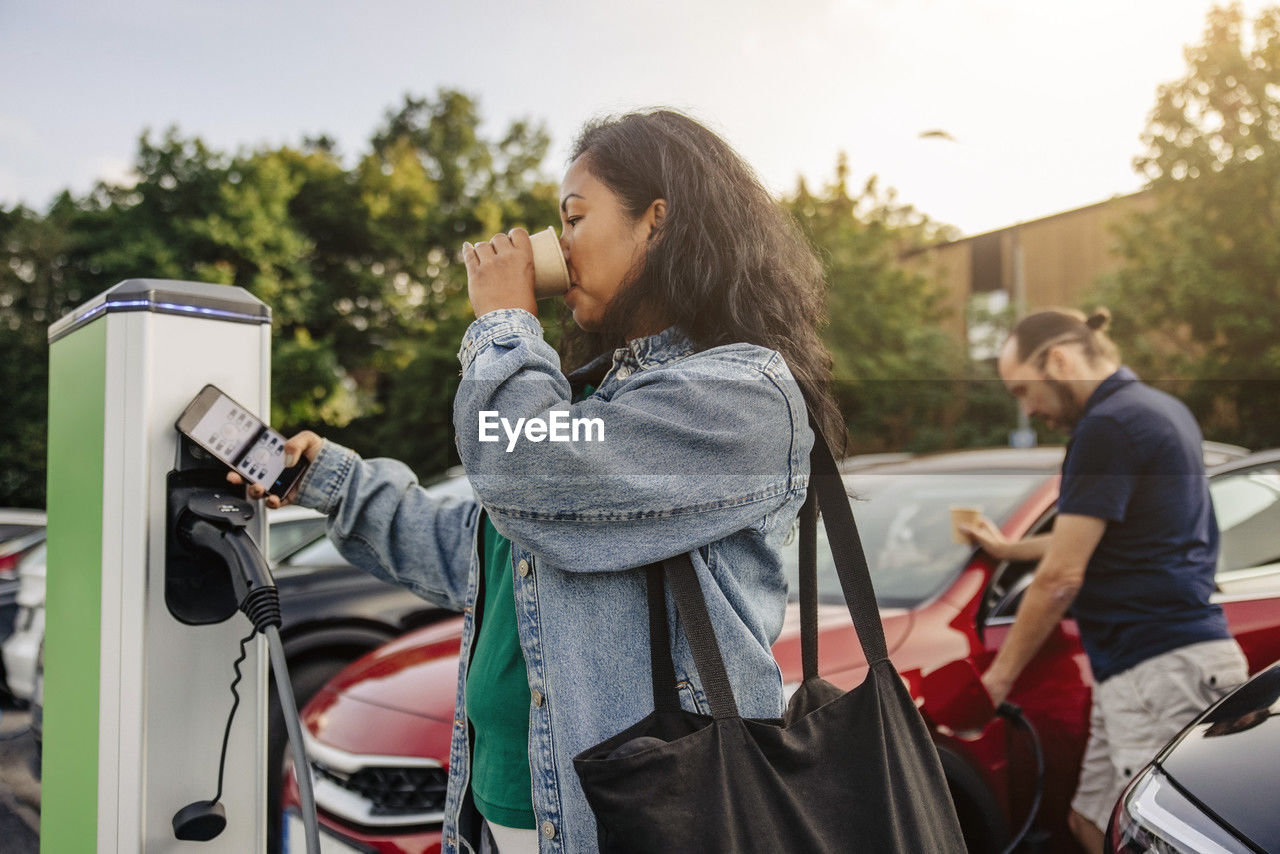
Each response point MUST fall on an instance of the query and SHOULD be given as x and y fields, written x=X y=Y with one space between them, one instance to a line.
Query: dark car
x=333 y=613
x=1212 y=790
x=379 y=732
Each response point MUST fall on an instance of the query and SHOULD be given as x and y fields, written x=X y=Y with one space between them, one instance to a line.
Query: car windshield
x=904 y=520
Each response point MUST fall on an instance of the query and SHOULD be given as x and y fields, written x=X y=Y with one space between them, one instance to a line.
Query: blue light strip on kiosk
x=255 y=312
x=166 y=307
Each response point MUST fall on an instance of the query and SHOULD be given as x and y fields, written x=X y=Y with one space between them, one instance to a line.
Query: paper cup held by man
x=963 y=515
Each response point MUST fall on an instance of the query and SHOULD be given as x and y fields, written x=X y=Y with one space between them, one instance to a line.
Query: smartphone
x=234 y=435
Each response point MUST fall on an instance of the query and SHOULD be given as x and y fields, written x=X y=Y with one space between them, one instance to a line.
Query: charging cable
x=302 y=768
x=231 y=716
x=1014 y=715
x=216 y=522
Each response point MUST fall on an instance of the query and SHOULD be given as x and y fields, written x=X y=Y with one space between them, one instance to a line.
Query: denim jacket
x=702 y=452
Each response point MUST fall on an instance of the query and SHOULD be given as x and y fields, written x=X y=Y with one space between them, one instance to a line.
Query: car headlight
x=1155 y=816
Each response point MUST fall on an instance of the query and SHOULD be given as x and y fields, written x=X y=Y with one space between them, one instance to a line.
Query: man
x=1133 y=552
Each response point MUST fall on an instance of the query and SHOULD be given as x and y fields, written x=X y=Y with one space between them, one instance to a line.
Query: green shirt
x=498 y=693
x=498 y=696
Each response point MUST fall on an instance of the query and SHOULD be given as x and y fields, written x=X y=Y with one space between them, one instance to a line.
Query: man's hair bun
x=1099 y=320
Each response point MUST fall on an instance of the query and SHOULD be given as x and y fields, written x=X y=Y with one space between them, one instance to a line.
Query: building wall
x=1063 y=256
x=950 y=266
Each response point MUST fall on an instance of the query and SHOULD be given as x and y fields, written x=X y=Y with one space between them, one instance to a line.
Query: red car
x=378 y=734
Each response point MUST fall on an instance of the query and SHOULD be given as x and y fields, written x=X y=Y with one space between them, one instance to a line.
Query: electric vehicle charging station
x=137 y=698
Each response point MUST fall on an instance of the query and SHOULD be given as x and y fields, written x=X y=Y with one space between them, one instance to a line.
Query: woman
x=700 y=304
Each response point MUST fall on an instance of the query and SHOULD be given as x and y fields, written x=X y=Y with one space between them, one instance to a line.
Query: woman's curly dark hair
x=726 y=264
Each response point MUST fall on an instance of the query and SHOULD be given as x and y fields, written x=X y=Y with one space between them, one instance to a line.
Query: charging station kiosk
x=136 y=699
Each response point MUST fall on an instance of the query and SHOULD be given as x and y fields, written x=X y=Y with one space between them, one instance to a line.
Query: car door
x=1053 y=692
x=1247 y=504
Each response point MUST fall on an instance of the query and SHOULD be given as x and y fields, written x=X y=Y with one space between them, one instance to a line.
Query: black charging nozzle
x=212 y=523
x=215 y=522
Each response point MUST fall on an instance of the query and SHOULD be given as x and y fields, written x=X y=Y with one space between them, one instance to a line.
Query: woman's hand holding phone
x=305 y=444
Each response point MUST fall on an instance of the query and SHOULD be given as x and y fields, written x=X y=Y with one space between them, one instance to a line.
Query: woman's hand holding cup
x=304 y=444
x=500 y=273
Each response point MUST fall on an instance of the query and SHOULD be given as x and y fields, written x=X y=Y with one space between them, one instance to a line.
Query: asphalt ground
x=19 y=787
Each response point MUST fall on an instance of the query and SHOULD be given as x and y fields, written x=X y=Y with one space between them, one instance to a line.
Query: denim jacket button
x=623 y=373
x=548 y=830
x=537 y=698
x=523 y=568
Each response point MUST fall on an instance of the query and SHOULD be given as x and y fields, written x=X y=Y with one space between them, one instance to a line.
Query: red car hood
x=418 y=673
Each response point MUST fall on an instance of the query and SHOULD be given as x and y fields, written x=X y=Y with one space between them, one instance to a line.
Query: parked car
x=1212 y=789
x=378 y=734
x=20 y=651
x=20 y=532
x=333 y=613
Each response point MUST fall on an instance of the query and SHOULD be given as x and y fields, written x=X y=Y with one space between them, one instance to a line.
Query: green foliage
x=359 y=264
x=417 y=427
x=35 y=290
x=1198 y=299
x=900 y=377
x=358 y=259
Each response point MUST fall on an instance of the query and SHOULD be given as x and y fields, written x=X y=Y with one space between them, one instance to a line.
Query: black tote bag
x=840 y=772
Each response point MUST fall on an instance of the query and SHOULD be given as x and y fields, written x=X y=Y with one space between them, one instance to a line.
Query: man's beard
x=1069 y=411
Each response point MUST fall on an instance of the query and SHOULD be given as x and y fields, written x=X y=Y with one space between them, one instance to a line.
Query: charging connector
x=215 y=521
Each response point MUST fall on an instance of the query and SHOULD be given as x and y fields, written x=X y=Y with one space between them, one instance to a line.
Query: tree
x=35 y=290
x=359 y=265
x=897 y=371
x=1198 y=297
x=430 y=182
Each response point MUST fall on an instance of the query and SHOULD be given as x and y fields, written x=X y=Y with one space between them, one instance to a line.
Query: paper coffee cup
x=550 y=273
x=963 y=516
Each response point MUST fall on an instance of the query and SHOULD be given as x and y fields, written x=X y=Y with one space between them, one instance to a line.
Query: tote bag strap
x=846 y=549
x=809 y=584
x=826 y=490
x=665 y=698
x=691 y=605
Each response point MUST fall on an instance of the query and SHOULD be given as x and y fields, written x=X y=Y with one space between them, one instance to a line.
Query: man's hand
x=997 y=687
x=500 y=273
x=305 y=444
x=1053 y=588
x=985 y=533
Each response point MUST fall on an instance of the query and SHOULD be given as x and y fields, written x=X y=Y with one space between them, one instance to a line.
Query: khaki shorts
x=1137 y=712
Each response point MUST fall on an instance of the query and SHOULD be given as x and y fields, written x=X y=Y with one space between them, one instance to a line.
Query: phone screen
x=240 y=440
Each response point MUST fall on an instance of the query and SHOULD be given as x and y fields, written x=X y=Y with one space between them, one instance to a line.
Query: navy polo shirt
x=1136 y=460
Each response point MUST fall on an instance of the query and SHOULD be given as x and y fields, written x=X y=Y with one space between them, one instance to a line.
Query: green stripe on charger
x=77 y=420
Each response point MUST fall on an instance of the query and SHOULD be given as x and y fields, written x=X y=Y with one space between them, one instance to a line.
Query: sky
x=1045 y=102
